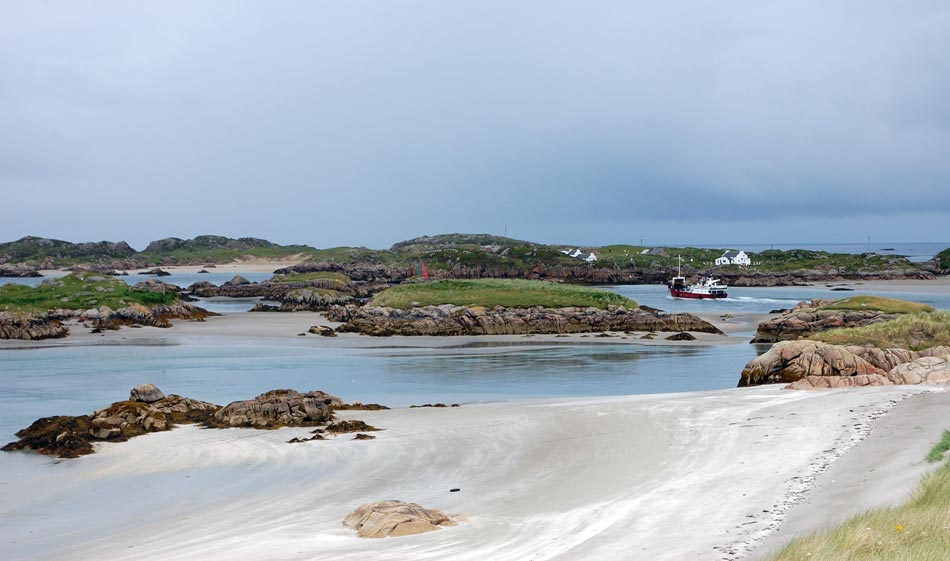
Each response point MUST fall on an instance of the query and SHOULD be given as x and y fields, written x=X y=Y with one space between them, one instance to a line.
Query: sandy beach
x=704 y=476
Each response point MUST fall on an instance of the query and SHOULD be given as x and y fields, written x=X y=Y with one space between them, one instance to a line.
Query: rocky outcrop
x=790 y=361
x=311 y=300
x=278 y=408
x=927 y=369
x=813 y=364
x=395 y=518
x=158 y=272
x=807 y=318
x=30 y=327
x=70 y=437
x=463 y=320
x=154 y=316
x=150 y=410
x=18 y=270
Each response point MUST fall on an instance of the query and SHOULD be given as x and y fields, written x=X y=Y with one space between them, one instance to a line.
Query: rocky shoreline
x=806 y=319
x=450 y=320
x=49 y=325
x=813 y=364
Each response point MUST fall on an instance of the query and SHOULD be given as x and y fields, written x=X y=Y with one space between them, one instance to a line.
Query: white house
x=733 y=257
x=591 y=258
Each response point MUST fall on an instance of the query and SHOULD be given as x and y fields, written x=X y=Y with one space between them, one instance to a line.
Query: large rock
x=278 y=408
x=395 y=518
x=789 y=361
x=146 y=393
x=463 y=320
x=927 y=369
x=813 y=364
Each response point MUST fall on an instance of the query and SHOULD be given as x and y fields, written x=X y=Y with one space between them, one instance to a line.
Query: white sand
x=667 y=477
x=939 y=285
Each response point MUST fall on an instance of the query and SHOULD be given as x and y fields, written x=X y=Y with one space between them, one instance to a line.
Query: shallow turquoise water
x=76 y=380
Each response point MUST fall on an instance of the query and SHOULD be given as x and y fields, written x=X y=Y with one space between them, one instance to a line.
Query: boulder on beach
x=395 y=518
x=158 y=272
x=278 y=408
x=323 y=331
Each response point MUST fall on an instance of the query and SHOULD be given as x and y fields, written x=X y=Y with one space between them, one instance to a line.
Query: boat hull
x=696 y=295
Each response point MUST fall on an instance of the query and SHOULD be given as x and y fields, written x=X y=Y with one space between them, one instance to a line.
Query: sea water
x=73 y=380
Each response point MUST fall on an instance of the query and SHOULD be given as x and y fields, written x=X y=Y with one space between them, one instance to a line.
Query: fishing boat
x=707 y=287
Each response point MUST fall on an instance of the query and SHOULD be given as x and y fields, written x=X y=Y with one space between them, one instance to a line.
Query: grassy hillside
x=485 y=252
x=78 y=291
x=886 y=305
x=491 y=292
x=914 y=531
x=33 y=250
x=910 y=331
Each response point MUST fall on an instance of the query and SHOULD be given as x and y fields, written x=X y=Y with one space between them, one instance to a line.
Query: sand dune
x=677 y=476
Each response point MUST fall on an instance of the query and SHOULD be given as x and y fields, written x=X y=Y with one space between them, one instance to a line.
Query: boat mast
x=679 y=266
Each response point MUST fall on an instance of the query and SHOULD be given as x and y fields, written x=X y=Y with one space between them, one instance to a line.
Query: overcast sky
x=367 y=122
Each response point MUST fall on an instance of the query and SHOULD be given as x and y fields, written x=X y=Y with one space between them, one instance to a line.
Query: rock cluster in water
x=148 y=409
x=464 y=320
x=395 y=518
x=813 y=364
x=804 y=320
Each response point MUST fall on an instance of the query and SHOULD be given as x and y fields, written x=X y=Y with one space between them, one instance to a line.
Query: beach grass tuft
x=916 y=332
x=940 y=448
x=878 y=303
x=510 y=293
x=918 y=530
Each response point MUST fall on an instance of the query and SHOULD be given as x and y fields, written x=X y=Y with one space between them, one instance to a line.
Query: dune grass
x=940 y=448
x=918 y=530
x=878 y=303
x=498 y=292
x=78 y=291
x=910 y=331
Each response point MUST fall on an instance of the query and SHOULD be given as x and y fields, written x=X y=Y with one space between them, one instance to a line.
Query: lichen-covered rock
x=804 y=321
x=31 y=326
x=278 y=408
x=147 y=393
x=476 y=320
x=70 y=437
x=395 y=518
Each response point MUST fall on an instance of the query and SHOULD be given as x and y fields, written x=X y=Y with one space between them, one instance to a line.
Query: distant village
x=730 y=257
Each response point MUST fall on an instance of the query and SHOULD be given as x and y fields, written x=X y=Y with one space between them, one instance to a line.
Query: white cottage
x=733 y=257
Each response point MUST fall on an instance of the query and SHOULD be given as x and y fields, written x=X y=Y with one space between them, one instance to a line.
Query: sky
x=369 y=122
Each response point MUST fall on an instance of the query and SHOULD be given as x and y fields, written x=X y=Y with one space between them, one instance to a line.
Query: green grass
x=497 y=292
x=918 y=530
x=334 y=277
x=940 y=448
x=886 y=305
x=910 y=331
x=79 y=292
x=943 y=259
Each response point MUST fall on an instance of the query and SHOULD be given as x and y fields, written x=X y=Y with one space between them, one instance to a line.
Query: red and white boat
x=707 y=287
